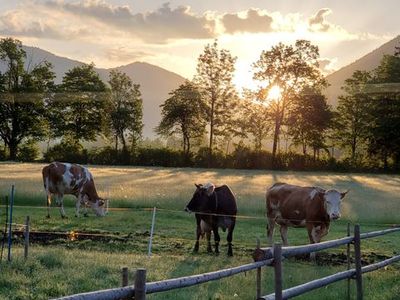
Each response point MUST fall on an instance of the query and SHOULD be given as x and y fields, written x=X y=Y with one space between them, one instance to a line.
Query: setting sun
x=274 y=93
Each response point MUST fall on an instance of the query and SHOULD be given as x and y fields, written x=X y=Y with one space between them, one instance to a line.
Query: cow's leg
x=198 y=234
x=312 y=237
x=217 y=238
x=208 y=236
x=230 y=237
x=77 y=206
x=270 y=230
x=61 y=204
x=48 y=204
x=283 y=231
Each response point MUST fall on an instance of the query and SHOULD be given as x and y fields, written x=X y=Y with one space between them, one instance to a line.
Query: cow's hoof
x=230 y=254
x=48 y=217
x=209 y=250
x=86 y=215
x=64 y=217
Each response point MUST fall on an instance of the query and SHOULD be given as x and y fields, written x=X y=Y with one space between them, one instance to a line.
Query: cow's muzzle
x=335 y=217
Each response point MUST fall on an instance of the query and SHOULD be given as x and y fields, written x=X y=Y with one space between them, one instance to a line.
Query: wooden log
x=306 y=249
x=109 y=294
x=311 y=285
x=321 y=282
x=357 y=255
x=177 y=283
x=26 y=235
x=140 y=284
x=124 y=274
x=372 y=234
x=278 y=271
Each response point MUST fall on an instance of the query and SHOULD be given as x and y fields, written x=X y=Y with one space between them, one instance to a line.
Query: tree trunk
x=13 y=148
x=276 y=137
x=211 y=142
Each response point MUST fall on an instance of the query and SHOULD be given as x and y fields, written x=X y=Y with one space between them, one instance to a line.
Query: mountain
x=155 y=82
x=366 y=63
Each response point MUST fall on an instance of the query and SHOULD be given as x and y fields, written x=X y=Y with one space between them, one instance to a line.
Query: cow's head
x=100 y=207
x=333 y=199
x=199 y=201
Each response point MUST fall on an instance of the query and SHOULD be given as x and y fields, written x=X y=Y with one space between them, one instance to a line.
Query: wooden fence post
x=258 y=278
x=124 y=276
x=26 y=235
x=348 y=262
x=140 y=284
x=278 y=271
x=357 y=254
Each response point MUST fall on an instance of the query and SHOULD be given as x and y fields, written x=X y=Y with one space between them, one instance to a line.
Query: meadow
x=62 y=267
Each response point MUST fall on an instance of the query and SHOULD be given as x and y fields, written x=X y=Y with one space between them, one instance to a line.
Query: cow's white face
x=333 y=199
x=100 y=207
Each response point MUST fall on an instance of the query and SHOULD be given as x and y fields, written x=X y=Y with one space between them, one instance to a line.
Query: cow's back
x=226 y=201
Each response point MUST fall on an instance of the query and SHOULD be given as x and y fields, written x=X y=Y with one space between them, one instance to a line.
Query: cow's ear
x=210 y=189
x=101 y=202
x=197 y=185
x=343 y=194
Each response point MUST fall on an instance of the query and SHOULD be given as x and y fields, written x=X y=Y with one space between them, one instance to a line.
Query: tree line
x=206 y=121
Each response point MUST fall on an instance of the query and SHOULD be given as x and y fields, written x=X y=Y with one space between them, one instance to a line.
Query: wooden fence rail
x=318 y=283
x=263 y=257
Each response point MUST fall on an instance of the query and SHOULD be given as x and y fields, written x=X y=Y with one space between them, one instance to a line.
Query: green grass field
x=65 y=267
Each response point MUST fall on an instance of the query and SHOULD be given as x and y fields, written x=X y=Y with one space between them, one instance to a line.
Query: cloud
x=327 y=65
x=318 y=22
x=157 y=26
x=254 y=21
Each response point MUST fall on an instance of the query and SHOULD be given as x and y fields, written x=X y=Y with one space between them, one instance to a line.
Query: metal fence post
x=152 y=231
x=140 y=284
x=278 y=271
x=357 y=254
x=26 y=235
x=348 y=262
x=10 y=222
x=258 y=278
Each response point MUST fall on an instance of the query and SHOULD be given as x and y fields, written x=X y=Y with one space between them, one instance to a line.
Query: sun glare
x=274 y=93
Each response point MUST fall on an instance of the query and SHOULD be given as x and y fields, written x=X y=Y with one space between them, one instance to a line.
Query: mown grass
x=67 y=267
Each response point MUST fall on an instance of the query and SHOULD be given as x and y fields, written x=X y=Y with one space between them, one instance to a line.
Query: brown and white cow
x=295 y=206
x=60 y=179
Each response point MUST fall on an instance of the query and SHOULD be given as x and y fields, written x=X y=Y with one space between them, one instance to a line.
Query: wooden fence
x=263 y=257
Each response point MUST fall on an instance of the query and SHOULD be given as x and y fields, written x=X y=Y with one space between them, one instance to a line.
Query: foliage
x=183 y=114
x=215 y=69
x=163 y=157
x=23 y=93
x=308 y=119
x=29 y=151
x=291 y=68
x=125 y=110
x=77 y=111
x=67 y=151
x=352 y=118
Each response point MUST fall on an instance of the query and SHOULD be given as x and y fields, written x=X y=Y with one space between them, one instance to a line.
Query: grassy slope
x=63 y=269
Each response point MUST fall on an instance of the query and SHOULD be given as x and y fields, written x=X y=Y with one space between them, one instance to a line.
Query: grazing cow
x=294 y=206
x=65 y=178
x=214 y=207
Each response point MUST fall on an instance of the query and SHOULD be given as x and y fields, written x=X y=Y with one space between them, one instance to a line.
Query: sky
x=172 y=34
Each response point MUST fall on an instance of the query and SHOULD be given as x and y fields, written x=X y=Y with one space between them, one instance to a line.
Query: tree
x=183 y=114
x=352 y=118
x=23 y=93
x=79 y=108
x=215 y=70
x=125 y=110
x=254 y=121
x=384 y=111
x=308 y=118
x=291 y=68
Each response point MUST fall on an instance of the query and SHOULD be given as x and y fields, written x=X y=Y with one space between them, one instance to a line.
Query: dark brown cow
x=60 y=179
x=295 y=206
x=214 y=207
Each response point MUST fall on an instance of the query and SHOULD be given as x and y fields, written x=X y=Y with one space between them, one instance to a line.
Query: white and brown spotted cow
x=60 y=179
x=295 y=206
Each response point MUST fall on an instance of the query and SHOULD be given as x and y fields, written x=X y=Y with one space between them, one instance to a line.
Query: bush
x=109 y=156
x=29 y=151
x=68 y=151
x=163 y=157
